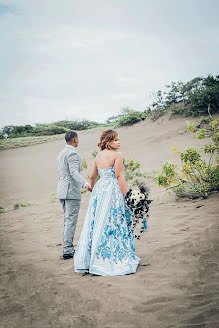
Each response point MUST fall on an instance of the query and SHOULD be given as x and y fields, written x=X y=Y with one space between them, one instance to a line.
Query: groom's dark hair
x=70 y=135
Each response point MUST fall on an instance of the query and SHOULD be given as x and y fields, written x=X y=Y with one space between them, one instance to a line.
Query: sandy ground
x=176 y=284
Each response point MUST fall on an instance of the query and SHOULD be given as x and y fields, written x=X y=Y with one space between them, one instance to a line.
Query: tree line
x=197 y=97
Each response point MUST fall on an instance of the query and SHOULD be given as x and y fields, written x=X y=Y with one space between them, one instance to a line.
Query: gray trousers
x=71 y=209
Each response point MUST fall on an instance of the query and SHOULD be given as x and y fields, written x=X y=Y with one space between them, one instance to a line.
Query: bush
x=200 y=96
x=83 y=164
x=201 y=134
x=175 y=109
x=2 y=210
x=49 y=130
x=133 y=173
x=205 y=119
x=131 y=118
x=156 y=113
x=196 y=177
x=77 y=125
x=16 y=131
x=158 y=106
x=94 y=153
x=190 y=126
x=22 y=204
x=45 y=129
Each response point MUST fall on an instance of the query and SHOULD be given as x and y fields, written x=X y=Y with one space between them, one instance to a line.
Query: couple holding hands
x=106 y=244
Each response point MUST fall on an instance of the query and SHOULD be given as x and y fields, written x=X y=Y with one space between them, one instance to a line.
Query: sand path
x=176 y=283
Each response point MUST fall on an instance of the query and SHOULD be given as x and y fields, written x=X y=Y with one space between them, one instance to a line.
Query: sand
x=176 y=284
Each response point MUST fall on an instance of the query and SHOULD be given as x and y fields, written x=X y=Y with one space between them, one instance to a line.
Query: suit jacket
x=70 y=180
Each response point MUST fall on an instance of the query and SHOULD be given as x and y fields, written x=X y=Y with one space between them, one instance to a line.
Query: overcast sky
x=89 y=58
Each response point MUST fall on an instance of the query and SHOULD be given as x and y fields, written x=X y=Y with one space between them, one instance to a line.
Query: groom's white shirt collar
x=70 y=146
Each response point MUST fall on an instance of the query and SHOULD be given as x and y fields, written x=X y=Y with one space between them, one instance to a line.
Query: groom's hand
x=88 y=187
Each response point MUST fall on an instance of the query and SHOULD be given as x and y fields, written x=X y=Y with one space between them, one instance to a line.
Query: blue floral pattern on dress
x=106 y=245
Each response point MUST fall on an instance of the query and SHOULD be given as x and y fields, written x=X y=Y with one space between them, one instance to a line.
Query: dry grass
x=17 y=205
x=23 y=204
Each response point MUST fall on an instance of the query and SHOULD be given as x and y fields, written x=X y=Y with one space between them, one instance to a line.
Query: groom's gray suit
x=69 y=193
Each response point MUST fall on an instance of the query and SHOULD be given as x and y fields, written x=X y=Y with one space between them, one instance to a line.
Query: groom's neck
x=72 y=144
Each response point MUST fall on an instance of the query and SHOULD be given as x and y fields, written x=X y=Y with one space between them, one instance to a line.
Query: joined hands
x=88 y=187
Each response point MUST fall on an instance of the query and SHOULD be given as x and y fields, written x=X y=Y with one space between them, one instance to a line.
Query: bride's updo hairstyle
x=106 y=137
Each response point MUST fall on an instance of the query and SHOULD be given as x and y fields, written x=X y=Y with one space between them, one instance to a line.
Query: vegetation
x=126 y=117
x=197 y=97
x=158 y=106
x=196 y=177
x=46 y=129
x=52 y=197
x=26 y=141
x=94 y=153
x=2 y=210
x=131 y=118
x=200 y=96
x=83 y=164
x=77 y=125
x=133 y=173
x=22 y=204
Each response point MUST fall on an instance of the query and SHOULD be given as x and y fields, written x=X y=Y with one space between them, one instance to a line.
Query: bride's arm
x=93 y=175
x=119 y=173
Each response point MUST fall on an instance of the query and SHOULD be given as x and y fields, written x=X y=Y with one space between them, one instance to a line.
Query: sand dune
x=176 y=283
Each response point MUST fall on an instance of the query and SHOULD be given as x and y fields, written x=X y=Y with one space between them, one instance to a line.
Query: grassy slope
x=29 y=141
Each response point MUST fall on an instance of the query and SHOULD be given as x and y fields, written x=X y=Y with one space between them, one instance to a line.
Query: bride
x=106 y=245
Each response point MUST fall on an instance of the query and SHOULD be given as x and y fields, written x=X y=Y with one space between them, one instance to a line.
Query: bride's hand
x=88 y=187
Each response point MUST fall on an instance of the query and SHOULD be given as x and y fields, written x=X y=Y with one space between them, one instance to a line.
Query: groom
x=69 y=190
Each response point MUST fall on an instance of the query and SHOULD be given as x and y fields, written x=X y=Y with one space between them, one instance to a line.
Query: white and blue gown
x=106 y=244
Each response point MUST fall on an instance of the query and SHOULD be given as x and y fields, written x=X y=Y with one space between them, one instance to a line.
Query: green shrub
x=158 y=106
x=46 y=129
x=133 y=173
x=78 y=124
x=49 y=130
x=175 y=109
x=83 y=164
x=94 y=153
x=196 y=177
x=200 y=96
x=2 y=209
x=190 y=126
x=131 y=118
x=205 y=119
x=22 y=204
x=156 y=113
x=16 y=206
x=201 y=134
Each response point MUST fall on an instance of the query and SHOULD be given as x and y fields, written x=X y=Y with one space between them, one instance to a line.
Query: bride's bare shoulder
x=99 y=154
x=118 y=155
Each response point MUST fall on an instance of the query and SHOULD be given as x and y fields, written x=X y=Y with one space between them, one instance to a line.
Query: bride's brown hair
x=106 y=137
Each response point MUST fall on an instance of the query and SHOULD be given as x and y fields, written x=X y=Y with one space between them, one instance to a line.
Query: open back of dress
x=106 y=245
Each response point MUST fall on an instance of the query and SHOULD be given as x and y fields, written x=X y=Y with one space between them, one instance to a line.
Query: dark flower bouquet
x=138 y=203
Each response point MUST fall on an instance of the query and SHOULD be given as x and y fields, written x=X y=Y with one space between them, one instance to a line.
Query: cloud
x=90 y=58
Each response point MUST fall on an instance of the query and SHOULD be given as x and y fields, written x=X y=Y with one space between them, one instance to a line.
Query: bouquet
x=138 y=203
